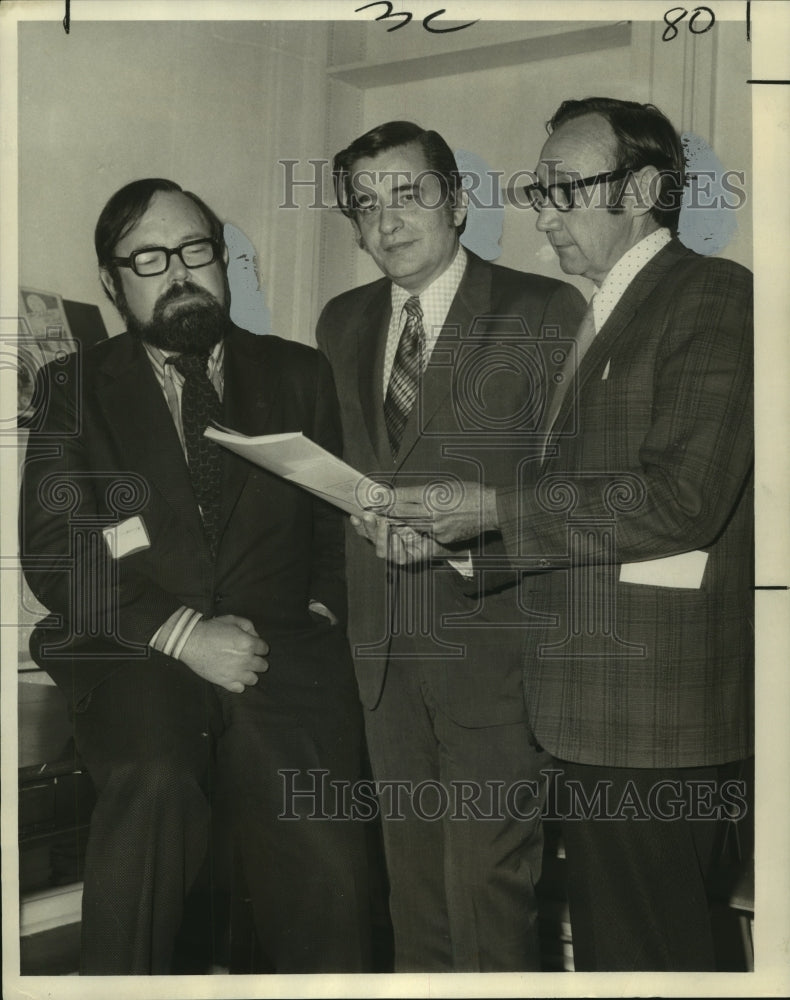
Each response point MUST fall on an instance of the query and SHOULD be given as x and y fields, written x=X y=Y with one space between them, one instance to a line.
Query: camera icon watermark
x=40 y=364
x=499 y=376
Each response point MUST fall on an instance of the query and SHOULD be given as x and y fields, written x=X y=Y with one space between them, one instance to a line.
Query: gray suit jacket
x=480 y=393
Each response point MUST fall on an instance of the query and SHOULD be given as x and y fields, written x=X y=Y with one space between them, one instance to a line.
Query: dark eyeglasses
x=155 y=260
x=561 y=195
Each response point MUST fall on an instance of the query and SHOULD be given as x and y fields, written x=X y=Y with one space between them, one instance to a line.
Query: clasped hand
x=226 y=651
x=419 y=522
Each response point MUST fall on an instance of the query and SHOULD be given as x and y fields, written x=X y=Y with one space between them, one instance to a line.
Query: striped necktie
x=406 y=370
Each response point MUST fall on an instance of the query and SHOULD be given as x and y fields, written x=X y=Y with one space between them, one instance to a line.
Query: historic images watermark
x=311 y=795
x=493 y=189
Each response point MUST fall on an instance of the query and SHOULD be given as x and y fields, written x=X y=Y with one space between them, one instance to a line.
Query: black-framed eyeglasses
x=151 y=261
x=561 y=194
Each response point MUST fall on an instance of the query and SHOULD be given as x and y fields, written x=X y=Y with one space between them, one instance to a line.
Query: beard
x=193 y=327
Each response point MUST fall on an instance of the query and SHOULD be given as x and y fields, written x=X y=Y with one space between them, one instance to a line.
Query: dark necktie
x=199 y=406
x=584 y=338
x=405 y=375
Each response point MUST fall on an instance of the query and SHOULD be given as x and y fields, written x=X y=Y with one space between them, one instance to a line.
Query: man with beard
x=197 y=605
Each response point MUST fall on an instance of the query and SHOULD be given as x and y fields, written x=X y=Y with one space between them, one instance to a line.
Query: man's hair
x=645 y=137
x=439 y=160
x=125 y=209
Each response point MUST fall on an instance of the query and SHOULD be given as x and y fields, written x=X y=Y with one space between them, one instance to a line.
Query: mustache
x=177 y=291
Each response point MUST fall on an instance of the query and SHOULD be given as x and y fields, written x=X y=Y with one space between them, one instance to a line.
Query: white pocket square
x=606 y=370
x=685 y=570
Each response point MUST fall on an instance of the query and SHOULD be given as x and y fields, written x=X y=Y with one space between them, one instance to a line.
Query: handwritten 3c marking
x=406 y=16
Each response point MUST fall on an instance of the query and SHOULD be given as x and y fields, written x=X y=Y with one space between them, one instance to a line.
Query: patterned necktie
x=199 y=406
x=584 y=337
x=405 y=375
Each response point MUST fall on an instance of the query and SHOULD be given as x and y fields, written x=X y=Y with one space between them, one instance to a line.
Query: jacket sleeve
x=67 y=497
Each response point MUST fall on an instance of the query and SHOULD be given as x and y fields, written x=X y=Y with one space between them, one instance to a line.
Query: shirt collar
x=624 y=271
x=435 y=300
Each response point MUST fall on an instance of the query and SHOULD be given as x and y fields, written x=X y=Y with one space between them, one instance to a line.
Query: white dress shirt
x=435 y=302
x=623 y=273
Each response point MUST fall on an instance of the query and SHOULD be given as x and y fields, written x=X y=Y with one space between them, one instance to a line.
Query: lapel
x=472 y=301
x=135 y=408
x=632 y=299
x=370 y=341
x=251 y=388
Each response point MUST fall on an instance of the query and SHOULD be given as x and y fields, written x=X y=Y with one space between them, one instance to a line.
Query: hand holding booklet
x=300 y=460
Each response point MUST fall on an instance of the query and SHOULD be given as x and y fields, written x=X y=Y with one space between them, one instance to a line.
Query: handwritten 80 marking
x=671 y=23
x=407 y=16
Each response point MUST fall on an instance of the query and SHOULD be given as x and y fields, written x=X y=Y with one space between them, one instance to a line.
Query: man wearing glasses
x=634 y=533
x=195 y=603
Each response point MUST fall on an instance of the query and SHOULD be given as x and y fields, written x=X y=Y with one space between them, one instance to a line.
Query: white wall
x=215 y=105
x=500 y=113
x=211 y=105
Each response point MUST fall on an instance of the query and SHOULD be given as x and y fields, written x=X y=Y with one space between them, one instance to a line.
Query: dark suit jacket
x=107 y=450
x=655 y=459
x=482 y=387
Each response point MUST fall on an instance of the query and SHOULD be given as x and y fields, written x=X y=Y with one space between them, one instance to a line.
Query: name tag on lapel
x=127 y=537
x=606 y=370
x=685 y=571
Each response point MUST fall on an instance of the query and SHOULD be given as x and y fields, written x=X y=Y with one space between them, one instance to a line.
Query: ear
x=225 y=255
x=645 y=190
x=358 y=235
x=109 y=284
x=461 y=207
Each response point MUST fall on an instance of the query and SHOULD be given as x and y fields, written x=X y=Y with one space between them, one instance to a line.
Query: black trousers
x=639 y=845
x=164 y=748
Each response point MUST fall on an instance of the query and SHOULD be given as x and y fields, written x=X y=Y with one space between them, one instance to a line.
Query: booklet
x=302 y=461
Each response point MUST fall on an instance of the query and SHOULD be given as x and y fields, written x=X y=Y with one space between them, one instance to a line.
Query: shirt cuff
x=171 y=636
x=321 y=609
x=463 y=566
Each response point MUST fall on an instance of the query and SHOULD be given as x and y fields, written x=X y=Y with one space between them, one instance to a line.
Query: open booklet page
x=302 y=461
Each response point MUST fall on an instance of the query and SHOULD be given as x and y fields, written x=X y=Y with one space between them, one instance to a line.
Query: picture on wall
x=44 y=336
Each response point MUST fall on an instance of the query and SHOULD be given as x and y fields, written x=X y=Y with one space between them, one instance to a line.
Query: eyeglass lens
x=156 y=260
x=559 y=195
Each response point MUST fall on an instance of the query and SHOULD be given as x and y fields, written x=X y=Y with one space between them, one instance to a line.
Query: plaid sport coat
x=629 y=658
